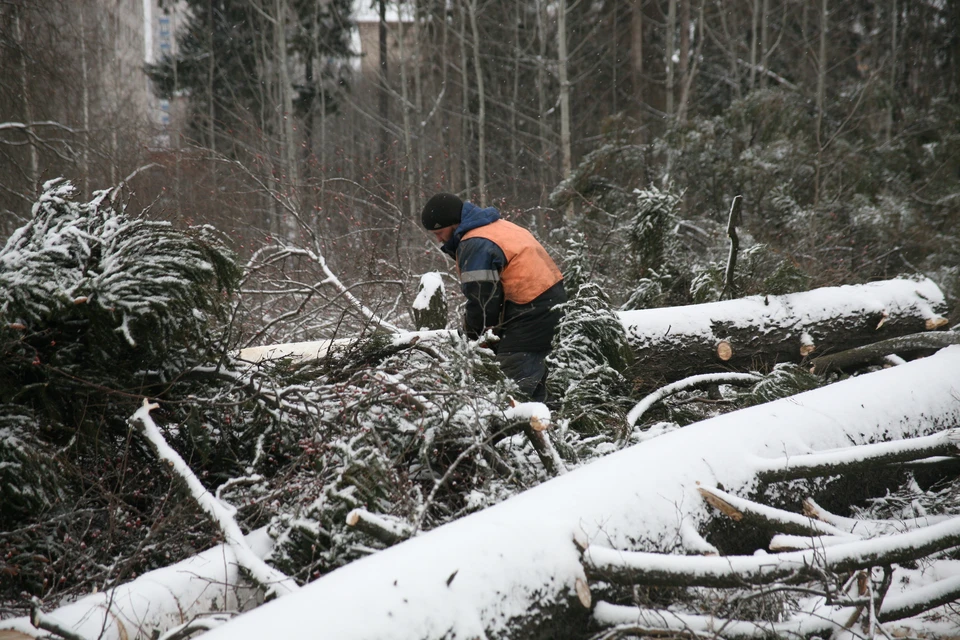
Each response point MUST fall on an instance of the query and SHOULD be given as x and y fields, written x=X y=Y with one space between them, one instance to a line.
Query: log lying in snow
x=512 y=571
x=760 y=331
x=157 y=600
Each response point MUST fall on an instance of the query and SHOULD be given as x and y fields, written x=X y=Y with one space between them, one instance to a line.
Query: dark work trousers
x=529 y=370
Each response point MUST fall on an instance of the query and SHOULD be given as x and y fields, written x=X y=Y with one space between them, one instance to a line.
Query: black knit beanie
x=442 y=210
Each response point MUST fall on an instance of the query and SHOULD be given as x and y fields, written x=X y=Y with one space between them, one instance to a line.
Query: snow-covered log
x=156 y=601
x=760 y=331
x=512 y=570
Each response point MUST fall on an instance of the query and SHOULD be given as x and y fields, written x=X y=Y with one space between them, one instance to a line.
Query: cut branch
x=858 y=458
x=654 y=569
x=869 y=528
x=879 y=350
x=274 y=582
x=387 y=530
x=687 y=383
x=40 y=620
x=748 y=511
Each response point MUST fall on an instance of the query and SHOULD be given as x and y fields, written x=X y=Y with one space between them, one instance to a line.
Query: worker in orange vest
x=511 y=285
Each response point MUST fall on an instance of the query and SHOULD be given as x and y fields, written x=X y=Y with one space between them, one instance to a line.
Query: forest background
x=619 y=132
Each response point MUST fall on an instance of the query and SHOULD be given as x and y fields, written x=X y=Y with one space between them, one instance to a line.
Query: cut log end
x=807 y=345
x=537 y=424
x=935 y=323
x=583 y=593
x=812 y=510
x=353 y=518
x=721 y=505
x=724 y=350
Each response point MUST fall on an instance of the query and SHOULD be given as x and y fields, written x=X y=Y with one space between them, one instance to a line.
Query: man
x=511 y=285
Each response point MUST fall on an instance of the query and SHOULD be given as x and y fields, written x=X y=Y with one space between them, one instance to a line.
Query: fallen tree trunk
x=157 y=600
x=514 y=571
x=758 y=332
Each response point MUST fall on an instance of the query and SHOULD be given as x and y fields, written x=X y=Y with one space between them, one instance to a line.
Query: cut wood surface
x=758 y=332
x=497 y=573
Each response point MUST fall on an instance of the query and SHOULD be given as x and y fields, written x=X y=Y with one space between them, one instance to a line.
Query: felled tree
x=97 y=308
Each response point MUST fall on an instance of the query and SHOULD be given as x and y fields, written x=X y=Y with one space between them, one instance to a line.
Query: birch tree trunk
x=764 y=41
x=683 y=59
x=466 y=126
x=821 y=100
x=482 y=108
x=542 y=91
x=671 y=28
x=754 y=38
x=562 y=62
x=411 y=169
x=384 y=89
x=27 y=102
x=288 y=139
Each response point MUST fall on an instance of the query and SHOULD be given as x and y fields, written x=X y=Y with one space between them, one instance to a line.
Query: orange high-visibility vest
x=529 y=271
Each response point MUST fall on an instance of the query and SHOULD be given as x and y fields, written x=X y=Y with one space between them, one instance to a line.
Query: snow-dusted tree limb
x=385 y=529
x=868 y=528
x=661 y=622
x=877 y=351
x=274 y=582
x=758 y=332
x=784 y=521
x=535 y=420
x=199 y=623
x=920 y=599
x=850 y=459
x=657 y=569
x=41 y=621
x=825 y=619
x=500 y=572
x=687 y=383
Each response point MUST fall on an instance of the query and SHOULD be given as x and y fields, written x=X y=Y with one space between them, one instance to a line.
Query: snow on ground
x=476 y=574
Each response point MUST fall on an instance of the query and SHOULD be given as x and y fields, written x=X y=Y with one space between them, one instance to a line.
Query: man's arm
x=480 y=262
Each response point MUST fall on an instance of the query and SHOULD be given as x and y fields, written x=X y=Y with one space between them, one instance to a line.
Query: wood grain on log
x=583 y=593
x=724 y=350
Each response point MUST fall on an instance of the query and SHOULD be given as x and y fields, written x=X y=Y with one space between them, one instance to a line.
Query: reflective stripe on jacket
x=529 y=270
